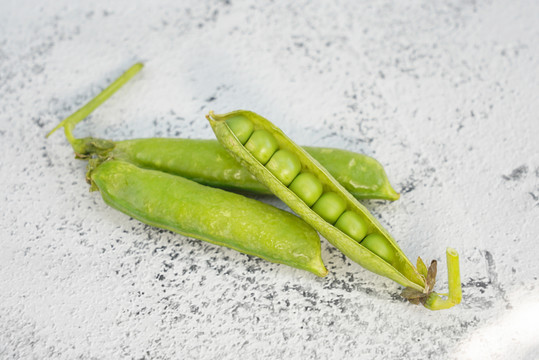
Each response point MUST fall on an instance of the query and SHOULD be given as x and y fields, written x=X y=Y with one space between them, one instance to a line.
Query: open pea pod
x=255 y=141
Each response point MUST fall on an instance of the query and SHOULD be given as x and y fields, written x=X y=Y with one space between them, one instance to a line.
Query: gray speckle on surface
x=443 y=94
x=517 y=174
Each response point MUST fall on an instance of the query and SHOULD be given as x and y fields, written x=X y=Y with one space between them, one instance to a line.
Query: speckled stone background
x=443 y=93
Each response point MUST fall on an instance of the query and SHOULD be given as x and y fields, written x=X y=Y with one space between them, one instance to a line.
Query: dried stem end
x=430 y=299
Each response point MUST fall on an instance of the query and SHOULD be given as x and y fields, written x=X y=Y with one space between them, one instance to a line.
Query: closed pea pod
x=191 y=209
x=190 y=158
x=362 y=175
x=213 y=215
x=380 y=254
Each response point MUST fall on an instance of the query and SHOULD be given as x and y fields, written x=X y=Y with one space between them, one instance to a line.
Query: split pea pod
x=319 y=199
x=208 y=163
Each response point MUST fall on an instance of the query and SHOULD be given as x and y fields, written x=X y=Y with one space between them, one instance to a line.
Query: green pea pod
x=213 y=215
x=191 y=209
x=397 y=267
x=362 y=175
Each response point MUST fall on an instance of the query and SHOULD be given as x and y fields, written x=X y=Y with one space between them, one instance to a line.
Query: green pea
x=379 y=245
x=307 y=187
x=241 y=127
x=352 y=225
x=284 y=165
x=262 y=145
x=330 y=206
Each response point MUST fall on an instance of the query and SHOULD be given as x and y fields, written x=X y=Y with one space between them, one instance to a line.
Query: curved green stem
x=435 y=301
x=80 y=146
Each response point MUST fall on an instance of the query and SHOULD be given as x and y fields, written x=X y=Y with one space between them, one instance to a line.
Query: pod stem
x=435 y=300
x=83 y=147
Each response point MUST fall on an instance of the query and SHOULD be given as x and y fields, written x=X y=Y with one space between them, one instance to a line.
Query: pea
x=262 y=145
x=330 y=206
x=241 y=127
x=307 y=187
x=352 y=225
x=379 y=245
x=284 y=165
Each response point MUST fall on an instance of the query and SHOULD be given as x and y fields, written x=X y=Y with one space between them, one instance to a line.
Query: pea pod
x=382 y=255
x=213 y=215
x=362 y=175
x=191 y=209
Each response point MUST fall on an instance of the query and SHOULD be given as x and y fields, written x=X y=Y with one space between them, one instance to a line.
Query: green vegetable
x=379 y=245
x=186 y=207
x=399 y=269
x=190 y=158
x=307 y=187
x=241 y=128
x=363 y=176
x=330 y=206
x=213 y=215
x=284 y=165
x=352 y=225
x=207 y=162
x=262 y=145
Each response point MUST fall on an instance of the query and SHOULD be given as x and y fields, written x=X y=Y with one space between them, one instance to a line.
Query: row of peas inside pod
x=286 y=167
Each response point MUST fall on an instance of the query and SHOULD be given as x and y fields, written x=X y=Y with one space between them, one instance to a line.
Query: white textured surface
x=443 y=93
